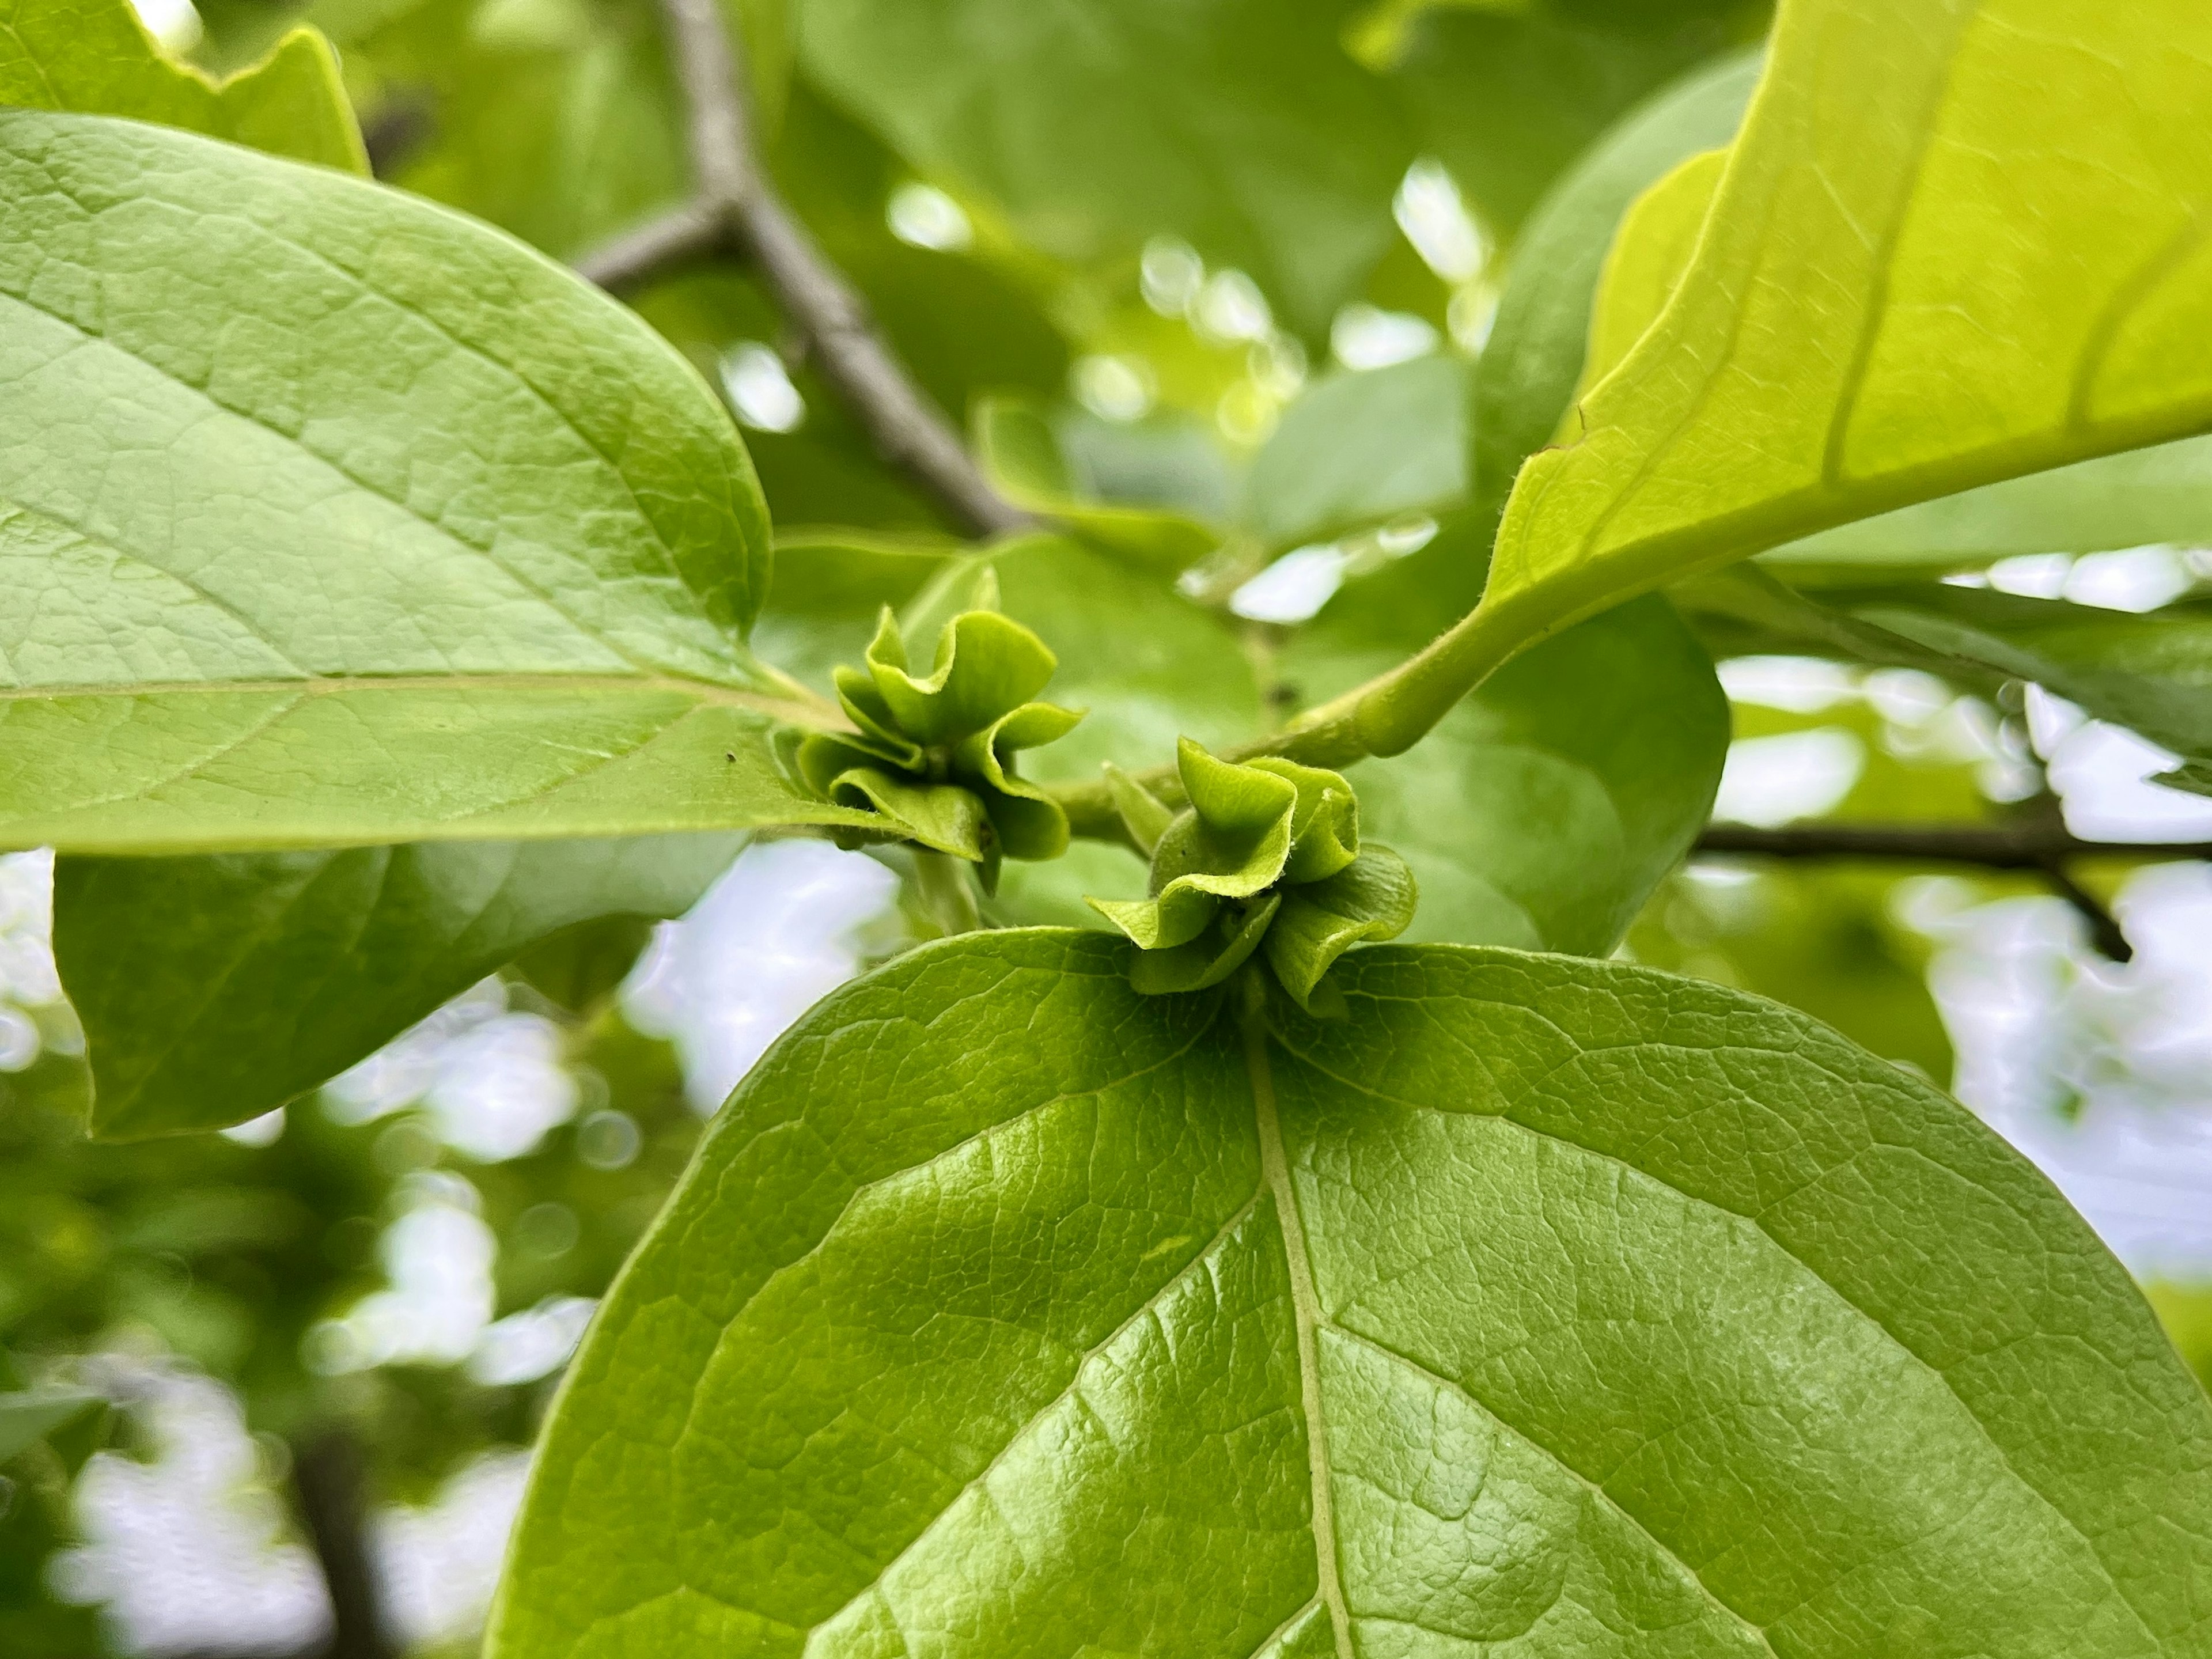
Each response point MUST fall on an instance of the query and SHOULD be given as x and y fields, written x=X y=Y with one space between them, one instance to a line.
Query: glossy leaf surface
x=95 y=57
x=328 y=517
x=1007 y=1312
x=1899 y=295
x=214 y=989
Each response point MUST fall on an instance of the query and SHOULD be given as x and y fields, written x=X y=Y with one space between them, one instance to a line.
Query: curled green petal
x=1325 y=823
x=987 y=666
x=935 y=757
x=1371 y=899
x=1268 y=850
x=942 y=816
x=1208 y=959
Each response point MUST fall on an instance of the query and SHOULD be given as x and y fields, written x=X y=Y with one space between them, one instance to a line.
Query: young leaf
x=328 y=517
x=1529 y=367
x=1896 y=296
x=1240 y=126
x=95 y=57
x=1008 y=1311
x=215 y=990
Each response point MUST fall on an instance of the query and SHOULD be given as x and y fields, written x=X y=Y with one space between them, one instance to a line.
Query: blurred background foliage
x=1213 y=283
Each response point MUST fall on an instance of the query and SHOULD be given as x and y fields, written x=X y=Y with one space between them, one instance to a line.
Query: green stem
x=1386 y=716
x=946 y=891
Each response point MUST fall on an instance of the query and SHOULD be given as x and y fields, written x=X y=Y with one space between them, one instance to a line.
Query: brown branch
x=2039 y=844
x=1995 y=846
x=327 y=1480
x=736 y=208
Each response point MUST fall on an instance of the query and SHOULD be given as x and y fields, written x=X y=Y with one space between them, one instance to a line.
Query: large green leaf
x=1542 y=1306
x=1238 y=125
x=95 y=57
x=215 y=990
x=328 y=517
x=1903 y=289
x=1528 y=370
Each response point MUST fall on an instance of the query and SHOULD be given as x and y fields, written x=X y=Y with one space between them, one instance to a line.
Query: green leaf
x=1509 y=97
x=1542 y=1306
x=95 y=57
x=1544 y=809
x=2152 y=672
x=1529 y=370
x=29 y=1417
x=1895 y=299
x=2135 y=499
x=328 y=517
x=1359 y=449
x=1022 y=456
x=215 y=990
x=1239 y=125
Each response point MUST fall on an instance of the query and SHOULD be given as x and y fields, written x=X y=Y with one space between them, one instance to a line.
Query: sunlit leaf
x=332 y=518
x=1538 y=1298
x=1899 y=294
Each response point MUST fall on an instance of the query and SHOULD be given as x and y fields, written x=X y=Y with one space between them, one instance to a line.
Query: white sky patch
x=1364 y=337
x=1800 y=685
x=922 y=215
x=760 y=390
x=1795 y=774
x=768 y=941
x=1293 y=587
x=175 y=23
x=437 y=1257
x=1430 y=209
x=1229 y=306
x=534 y=1343
x=1117 y=389
x=490 y=1080
x=2101 y=1072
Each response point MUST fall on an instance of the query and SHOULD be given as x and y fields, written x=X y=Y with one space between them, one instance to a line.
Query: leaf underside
x=1898 y=297
x=1540 y=1307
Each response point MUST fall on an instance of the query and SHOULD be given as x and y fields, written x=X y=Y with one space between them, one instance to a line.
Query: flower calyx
x=933 y=755
x=1266 y=859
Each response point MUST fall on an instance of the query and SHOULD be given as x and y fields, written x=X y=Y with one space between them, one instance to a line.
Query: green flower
x=1266 y=858
x=935 y=757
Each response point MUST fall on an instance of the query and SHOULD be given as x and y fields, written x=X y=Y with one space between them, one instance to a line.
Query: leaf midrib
x=2004 y=1456
x=1306 y=1317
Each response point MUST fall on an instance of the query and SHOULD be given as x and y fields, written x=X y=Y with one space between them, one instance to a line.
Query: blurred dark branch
x=327 y=1482
x=736 y=208
x=2039 y=844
